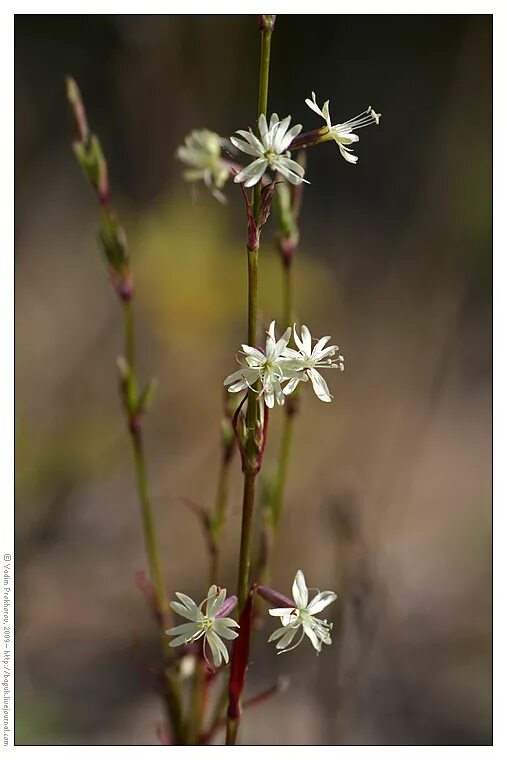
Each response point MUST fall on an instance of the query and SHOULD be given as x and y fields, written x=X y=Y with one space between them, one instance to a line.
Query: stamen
x=376 y=116
x=363 y=119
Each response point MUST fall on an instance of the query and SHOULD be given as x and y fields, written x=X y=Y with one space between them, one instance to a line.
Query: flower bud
x=267 y=22
x=114 y=243
x=227 y=607
x=78 y=110
x=265 y=204
x=274 y=597
x=146 y=396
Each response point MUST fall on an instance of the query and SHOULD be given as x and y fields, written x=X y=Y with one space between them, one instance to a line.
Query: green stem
x=148 y=523
x=172 y=695
x=246 y=538
x=196 y=706
x=130 y=356
x=253 y=404
x=140 y=464
x=231 y=731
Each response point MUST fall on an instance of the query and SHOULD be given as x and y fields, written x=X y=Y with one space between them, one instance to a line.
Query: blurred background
x=389 y=495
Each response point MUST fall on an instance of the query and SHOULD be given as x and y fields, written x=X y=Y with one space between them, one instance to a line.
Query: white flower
x=209 y=624
x=343 y=134
x=268 y=148
x=202 y=153
x=270 y=368
x=307 y=359
x=302 y=616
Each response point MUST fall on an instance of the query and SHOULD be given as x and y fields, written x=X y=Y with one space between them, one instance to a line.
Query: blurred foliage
x=39 y=721
x=390 y=489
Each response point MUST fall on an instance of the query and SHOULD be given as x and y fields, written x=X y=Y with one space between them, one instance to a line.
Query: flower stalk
x=88 y=152
x=252 y=415
x=217 y=518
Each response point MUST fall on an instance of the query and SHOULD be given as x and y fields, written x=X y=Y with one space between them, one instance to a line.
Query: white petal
x=246 y=147
x=215 y=600
x=324 y=354
x=300 y=590
x=312 y=636
x=278 y=392
x=280 y=611
x=320 y=601
x=269 y=393
x=347 y=155
x=287 y=638
x=320 y=345
x=254 y=352
x=270 y=347
x=306 y=339
x=252 y=139
x=211 y=639
x=223 y=630
x=185 y=628
x=325 y=113
x=290 y=353
x=313 y=105
x=280 y=134
x=237 y=387
x=286 y=168
x=276 y=634
x=344 y=138
x=194 y=614
x=291 y=134
x=218 y=648
x=319 y=385
x=186 y=600
x=238 y=375
x=299 y=343
x=282 y=343
x=274 y=120
x=184 y=639
x=291 y=385
x=252 y=173
x=263 y=125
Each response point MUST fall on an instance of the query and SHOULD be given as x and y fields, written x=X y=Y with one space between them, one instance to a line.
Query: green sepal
x=146 y=396
x=114 y=242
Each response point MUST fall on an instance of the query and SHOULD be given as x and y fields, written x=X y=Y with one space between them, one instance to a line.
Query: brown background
x=389 y=498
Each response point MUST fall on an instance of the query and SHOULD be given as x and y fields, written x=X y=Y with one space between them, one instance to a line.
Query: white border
x=500 y=373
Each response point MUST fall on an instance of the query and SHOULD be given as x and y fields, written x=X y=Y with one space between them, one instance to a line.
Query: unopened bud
x=78 y=110
x=146 y=396
x=123 y=368
x=267 y=22
x=227 y=607
x=114 y=242
x=265 y=204
x=274 y=597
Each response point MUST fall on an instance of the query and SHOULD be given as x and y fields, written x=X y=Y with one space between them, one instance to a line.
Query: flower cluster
x=270 y=148
x=295 y=615
x=267 y=371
